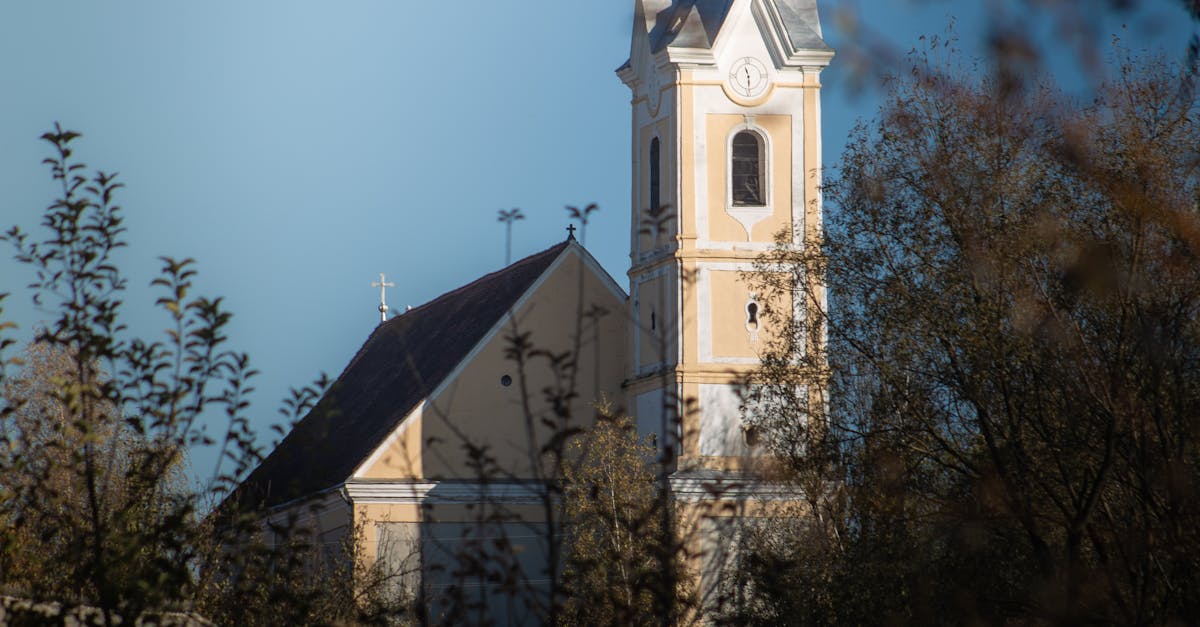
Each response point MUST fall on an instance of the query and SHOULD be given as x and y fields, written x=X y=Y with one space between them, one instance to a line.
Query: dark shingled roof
x=402 y=362
x=696 y=23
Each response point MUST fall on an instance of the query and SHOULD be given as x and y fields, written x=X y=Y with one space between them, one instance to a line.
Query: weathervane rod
x=508 y=217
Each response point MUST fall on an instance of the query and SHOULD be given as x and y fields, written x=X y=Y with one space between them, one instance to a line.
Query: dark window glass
x=655 y=195
x=747 y=170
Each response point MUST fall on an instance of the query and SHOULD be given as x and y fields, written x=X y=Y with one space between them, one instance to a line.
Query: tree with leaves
x=89 y=458
x=1014 y=360
x=41 y=459
x=616 y=558
x=95 y=513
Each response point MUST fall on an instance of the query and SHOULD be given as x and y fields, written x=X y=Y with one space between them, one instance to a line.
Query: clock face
x=748 y=78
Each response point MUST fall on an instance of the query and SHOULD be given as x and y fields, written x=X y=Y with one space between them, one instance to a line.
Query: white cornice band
x=444 y=492
x=683 y=487
x=694 y=489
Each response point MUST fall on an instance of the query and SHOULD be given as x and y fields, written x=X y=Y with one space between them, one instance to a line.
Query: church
x=447 y=408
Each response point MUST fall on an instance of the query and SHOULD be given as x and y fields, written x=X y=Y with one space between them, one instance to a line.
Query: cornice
x=418 y=492
x=695 y=488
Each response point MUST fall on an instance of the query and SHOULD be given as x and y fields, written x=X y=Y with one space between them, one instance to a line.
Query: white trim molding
x=748 y=216
x=420 y=492
x=700 y=487
x=666 y=327
x=704 y=304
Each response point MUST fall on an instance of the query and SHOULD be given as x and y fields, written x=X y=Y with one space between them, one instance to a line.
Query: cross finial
x=383 y=284
x=570 y=231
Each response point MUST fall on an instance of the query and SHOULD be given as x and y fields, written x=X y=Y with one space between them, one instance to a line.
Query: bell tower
x=726 y=158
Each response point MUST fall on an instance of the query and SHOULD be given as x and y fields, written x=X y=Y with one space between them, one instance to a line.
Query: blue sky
x=298 y=148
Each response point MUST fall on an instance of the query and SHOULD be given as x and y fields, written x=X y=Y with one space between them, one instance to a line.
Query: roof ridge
x=405 y=317
x=368 y=400
x=557 y=248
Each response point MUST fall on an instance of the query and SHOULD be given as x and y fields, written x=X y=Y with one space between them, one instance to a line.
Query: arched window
x=655 y=194
x=747 y=170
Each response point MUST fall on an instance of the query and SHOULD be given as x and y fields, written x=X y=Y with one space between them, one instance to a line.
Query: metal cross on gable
x=383 y=284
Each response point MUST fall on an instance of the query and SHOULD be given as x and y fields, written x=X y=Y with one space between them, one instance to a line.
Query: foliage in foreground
x=97 y=516
x=618 y=553
x=1015 y=362
x=96 y=426
x=95 y=512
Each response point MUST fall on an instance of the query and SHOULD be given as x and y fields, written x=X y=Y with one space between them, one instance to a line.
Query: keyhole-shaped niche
x=753 y=312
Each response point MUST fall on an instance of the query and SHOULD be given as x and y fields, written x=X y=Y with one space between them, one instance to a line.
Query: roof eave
x=693 y=57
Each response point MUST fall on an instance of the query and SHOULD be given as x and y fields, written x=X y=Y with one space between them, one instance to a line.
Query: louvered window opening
x=747 y=170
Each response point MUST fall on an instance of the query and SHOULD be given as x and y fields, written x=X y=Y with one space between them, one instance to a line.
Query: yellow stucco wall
x=401 y=457
x=730 y=336
x=710 y=551
x=655 y=318
x=648 y=237
x=367 y=516
x=722 y=226
x=476 y=408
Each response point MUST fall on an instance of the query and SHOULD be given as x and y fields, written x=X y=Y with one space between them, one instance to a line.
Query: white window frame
x=748 y=216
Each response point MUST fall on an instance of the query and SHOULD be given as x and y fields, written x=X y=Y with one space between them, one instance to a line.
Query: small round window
x=506 y=380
